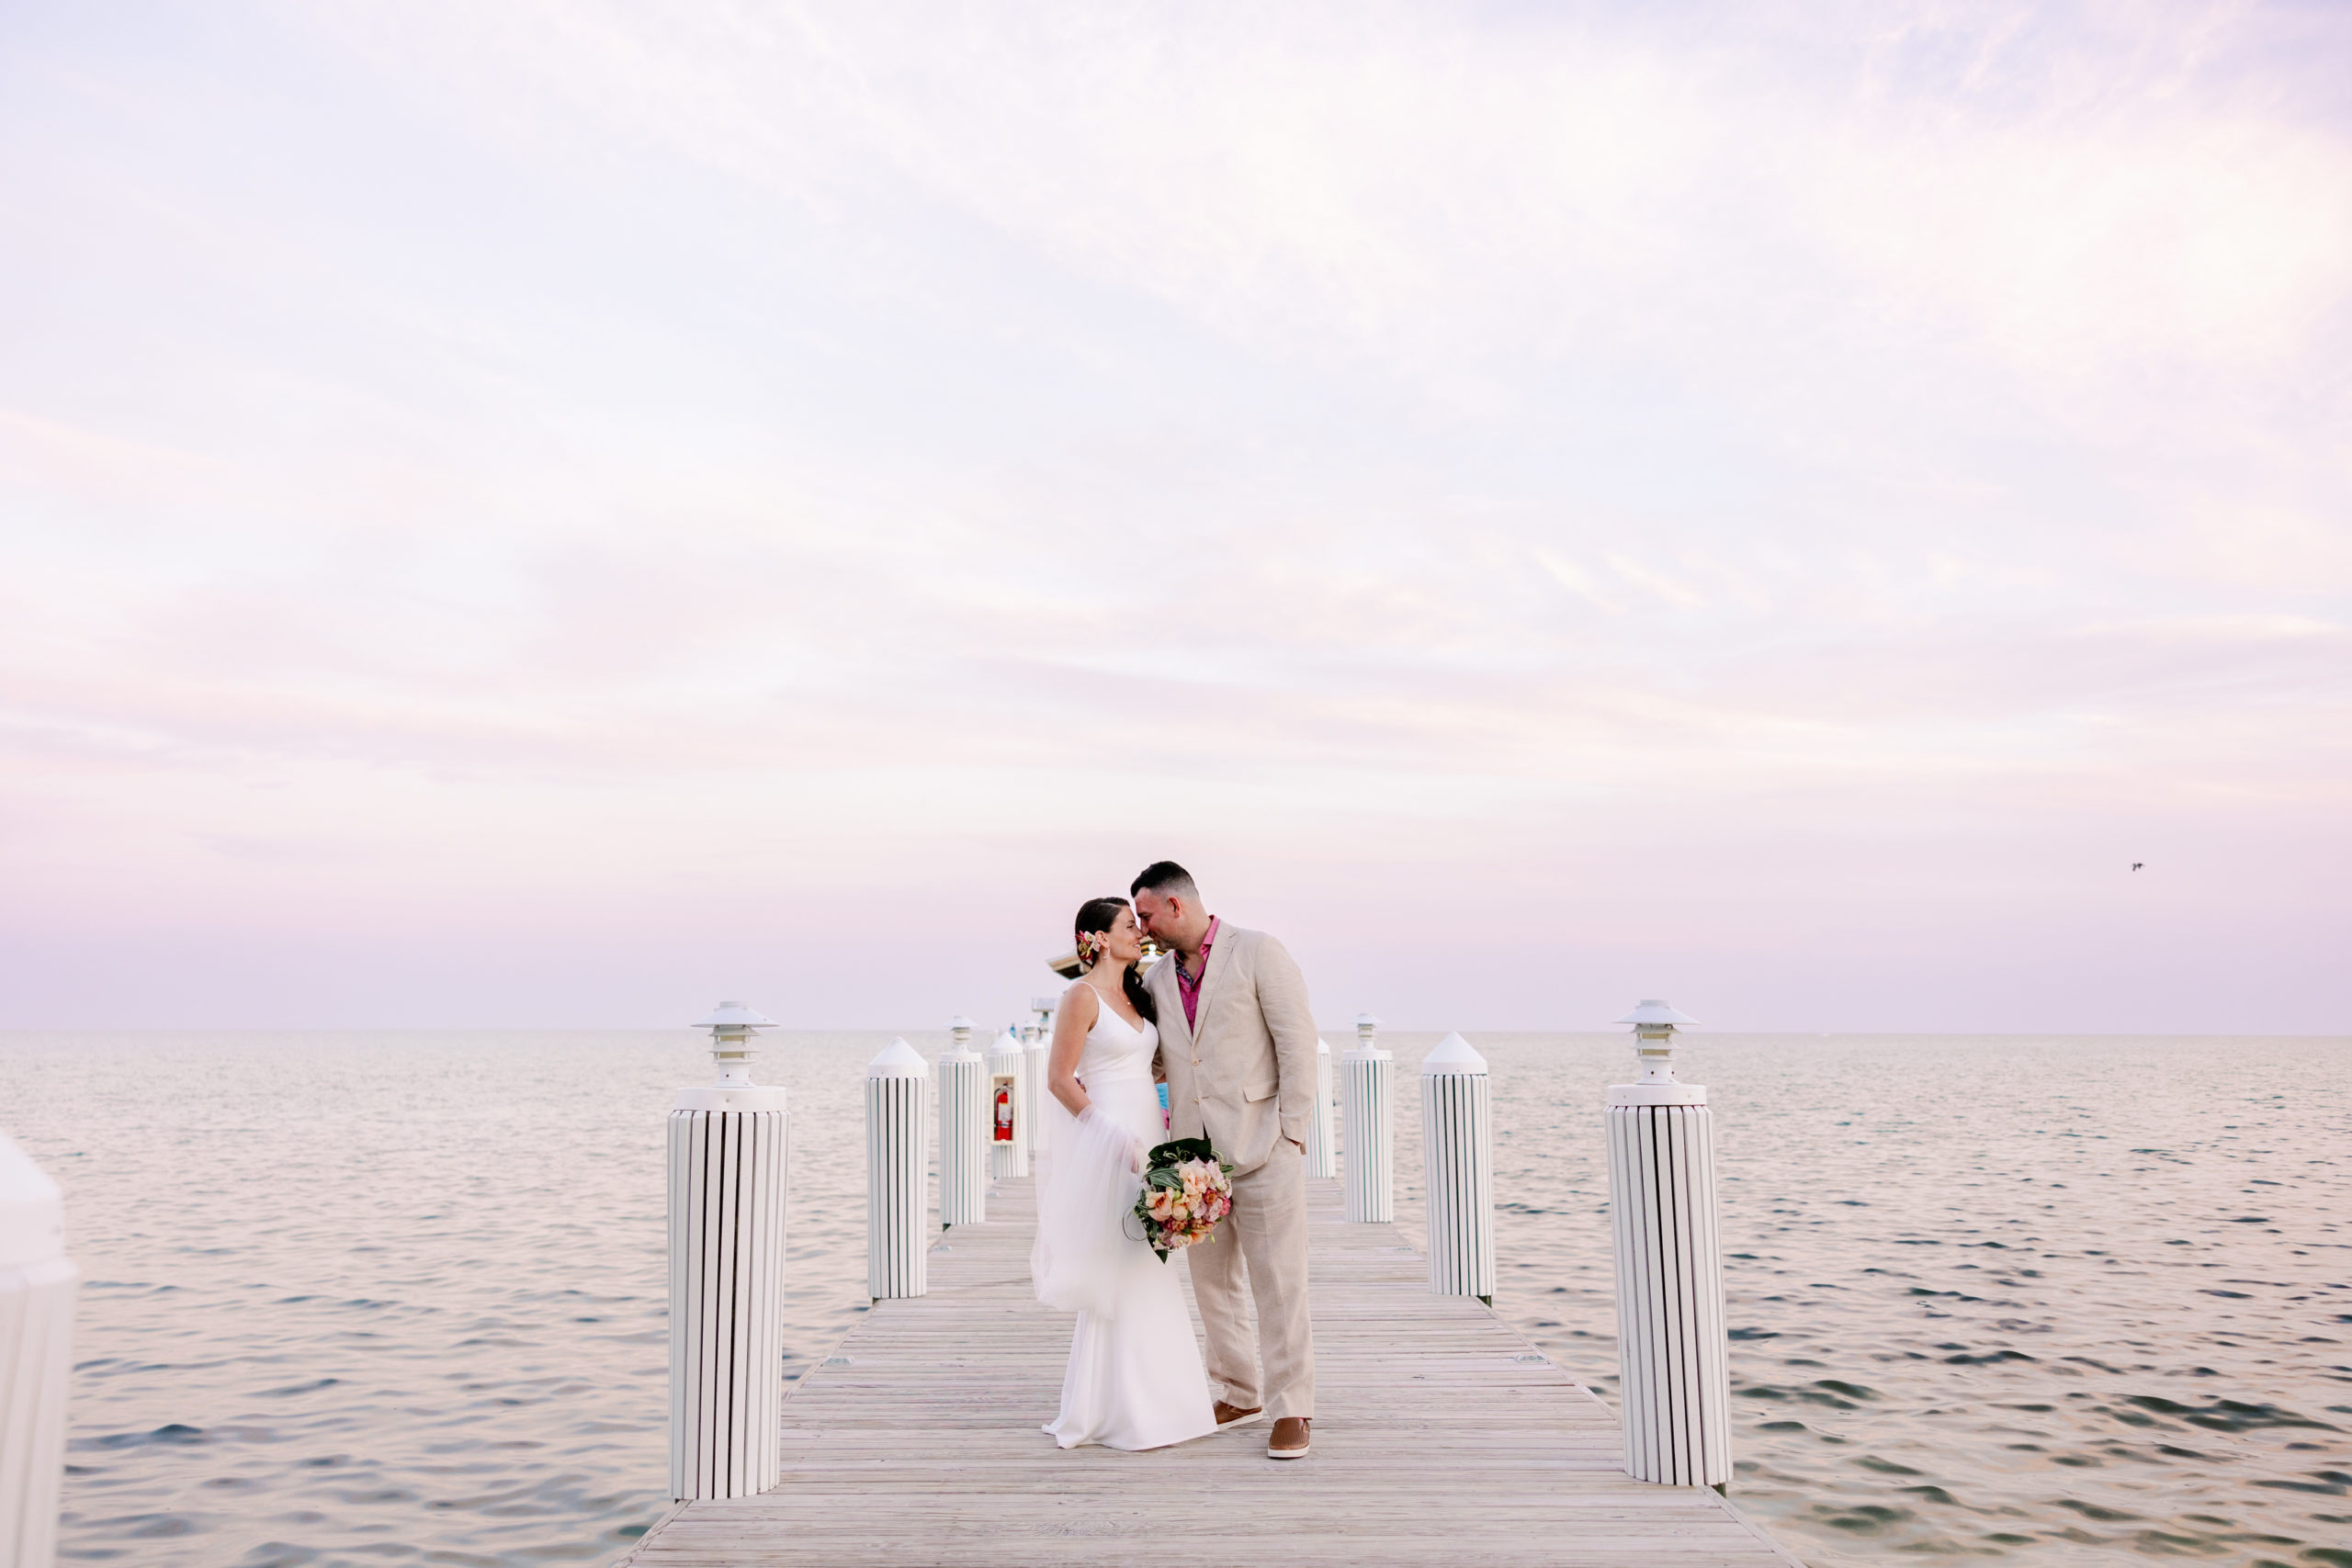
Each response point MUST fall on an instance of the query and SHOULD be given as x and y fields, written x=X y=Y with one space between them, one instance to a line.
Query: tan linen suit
x=1245 y=1079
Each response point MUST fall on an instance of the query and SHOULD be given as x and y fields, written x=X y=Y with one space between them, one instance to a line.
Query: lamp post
x=729 y=1144
x=1672 y=1351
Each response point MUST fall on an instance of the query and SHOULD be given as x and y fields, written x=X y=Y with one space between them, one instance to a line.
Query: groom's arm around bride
x=1237 y=1045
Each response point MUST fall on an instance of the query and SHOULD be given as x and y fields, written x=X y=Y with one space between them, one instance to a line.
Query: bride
x=1134 y=1378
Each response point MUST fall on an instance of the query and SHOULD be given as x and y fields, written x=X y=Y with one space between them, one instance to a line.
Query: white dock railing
x=38 y=1286
x=1673 y=1348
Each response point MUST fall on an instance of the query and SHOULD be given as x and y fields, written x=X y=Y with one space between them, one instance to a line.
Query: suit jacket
x=1247 y=1075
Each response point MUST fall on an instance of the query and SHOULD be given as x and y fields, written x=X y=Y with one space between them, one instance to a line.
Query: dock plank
x=1441 y=1436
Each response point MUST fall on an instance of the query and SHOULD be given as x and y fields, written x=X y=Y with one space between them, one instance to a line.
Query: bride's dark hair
x=1096 y=915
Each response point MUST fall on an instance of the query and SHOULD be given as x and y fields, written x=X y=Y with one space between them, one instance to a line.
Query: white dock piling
x=728 y=1144
x=38 y=1285
x=1026 y=1118
x=1039 y=1038
x=1672 y=1350
x=1368 y=1099
x=897 y=1082
x=1008 y=1066
x=1322 y=1157
x=962 y=1130
x=1458 y=1148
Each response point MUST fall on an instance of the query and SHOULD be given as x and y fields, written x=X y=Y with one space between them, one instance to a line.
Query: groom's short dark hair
x=1166 y=878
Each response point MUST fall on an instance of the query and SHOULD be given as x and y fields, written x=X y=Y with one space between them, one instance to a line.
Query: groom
x=1238 y=1046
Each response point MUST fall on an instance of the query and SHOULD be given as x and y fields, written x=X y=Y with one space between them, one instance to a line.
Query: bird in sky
x=2138 y=863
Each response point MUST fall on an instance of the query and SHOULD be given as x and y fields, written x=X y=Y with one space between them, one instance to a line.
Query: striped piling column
x=1027 y=1122
x=1458 y=1147
x=728 y=1143
x=1322 y=1157
x=962 y=1130
x=1672 y=1351
x=38 y=1284
x=1008 y=1066
x=897 y=1082
x=1039 y=1038
x=1368 y=1099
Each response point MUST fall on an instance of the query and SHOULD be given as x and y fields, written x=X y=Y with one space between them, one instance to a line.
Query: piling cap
x=1007 y=1043
x=1322 y=1046
x=1453 y=1054
x=898 y=1060
x=1654 y=1011
x=32 y=1211
x=734 y=1015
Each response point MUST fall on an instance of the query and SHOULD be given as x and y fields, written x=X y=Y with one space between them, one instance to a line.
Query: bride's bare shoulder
x=1082 y=1002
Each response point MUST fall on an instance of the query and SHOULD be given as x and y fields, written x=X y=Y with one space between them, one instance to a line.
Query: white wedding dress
x=1134 y=1378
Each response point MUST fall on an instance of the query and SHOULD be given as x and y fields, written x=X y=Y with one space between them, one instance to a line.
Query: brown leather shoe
x=1233 y=1415
x=1288 y=1439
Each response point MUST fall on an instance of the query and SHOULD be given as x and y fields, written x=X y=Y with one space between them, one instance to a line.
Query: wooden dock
x=1441 y=1437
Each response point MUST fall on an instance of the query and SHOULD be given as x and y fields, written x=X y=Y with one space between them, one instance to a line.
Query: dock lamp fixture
x=731 y=1025
x=1654 y=1024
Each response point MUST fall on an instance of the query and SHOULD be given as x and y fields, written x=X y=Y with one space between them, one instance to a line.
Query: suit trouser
x=1264 y=1242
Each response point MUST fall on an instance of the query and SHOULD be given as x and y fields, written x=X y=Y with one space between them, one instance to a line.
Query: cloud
x=558 y=468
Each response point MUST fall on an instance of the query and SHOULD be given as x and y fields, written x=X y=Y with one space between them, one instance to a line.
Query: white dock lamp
x=728 y=1143
x=731 y=1026
x=1672 y=1350
x=1654 y=1024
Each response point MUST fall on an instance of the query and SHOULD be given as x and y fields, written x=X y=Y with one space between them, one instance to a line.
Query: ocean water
x=379 y=1298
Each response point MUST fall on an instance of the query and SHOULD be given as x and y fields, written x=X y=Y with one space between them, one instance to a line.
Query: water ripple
x=2043 y=1302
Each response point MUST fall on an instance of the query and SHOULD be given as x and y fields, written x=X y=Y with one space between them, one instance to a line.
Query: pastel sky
x=549 y=514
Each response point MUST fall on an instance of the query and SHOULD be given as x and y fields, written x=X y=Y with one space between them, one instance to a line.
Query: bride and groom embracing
x=1223 y=1021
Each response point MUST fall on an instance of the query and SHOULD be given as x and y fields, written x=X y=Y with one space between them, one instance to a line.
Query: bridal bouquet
x=1186 y=1190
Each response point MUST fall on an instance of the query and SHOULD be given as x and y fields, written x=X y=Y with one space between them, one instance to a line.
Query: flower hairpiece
x=1091 y=945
